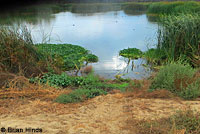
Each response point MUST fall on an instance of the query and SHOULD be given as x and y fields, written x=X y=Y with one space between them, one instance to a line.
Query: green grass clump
x=174 y=7
x=131 y=53
x=155 y=56
x=109 y=86
x=192 y=91
x=67 y=56
x=79 y=95
x=178 y=79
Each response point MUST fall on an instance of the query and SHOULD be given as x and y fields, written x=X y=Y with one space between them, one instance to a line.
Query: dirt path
x=101 y=115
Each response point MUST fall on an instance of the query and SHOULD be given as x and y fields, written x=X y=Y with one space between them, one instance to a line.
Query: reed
x=179 y=38
x=18 y=54
x=174 y=7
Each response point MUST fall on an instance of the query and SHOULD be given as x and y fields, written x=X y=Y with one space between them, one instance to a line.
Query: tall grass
x=174 y=7
x=179 y=37
x=17 y=52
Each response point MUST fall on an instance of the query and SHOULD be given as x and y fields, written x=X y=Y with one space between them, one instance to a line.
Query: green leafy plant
x=67 y=56
x=79 y=95
x=131 y=53
x=56 y=80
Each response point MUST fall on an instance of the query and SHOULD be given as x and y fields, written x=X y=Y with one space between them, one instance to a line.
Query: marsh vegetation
x=31 y=70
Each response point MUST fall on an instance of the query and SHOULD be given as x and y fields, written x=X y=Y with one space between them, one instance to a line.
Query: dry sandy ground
x=101 y=115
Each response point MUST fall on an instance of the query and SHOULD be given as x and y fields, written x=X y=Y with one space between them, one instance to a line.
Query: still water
x=104 y=33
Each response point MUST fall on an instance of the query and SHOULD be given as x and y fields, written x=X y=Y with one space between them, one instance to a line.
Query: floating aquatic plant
x=131 y=53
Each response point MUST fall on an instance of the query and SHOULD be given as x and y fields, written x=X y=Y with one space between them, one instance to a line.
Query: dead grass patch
x=186 y=121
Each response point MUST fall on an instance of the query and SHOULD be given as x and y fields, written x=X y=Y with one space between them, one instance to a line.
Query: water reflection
x=38 y=13
x=104 y=33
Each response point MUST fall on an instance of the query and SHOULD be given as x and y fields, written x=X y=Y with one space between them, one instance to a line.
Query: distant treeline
x=112 y=1
x=17 y=3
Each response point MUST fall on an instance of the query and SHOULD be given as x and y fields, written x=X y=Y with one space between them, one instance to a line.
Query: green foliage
x=79 y=95
x=67 y=56
x=178 y=79
x=88 y=82
x=55 y=80
x=131 y=53
x=174 y=7
x=91 y=58
x=64 y=80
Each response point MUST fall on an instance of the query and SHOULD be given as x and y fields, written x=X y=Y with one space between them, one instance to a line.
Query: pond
x=103 y=31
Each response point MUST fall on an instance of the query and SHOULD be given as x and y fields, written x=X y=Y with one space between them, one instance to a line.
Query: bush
x=192 y=91
x=178 y=79
x=79 y=95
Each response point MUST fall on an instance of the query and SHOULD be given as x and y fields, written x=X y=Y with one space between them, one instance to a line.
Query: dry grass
x=142 y=92
x=19 y=87
x=185 y=121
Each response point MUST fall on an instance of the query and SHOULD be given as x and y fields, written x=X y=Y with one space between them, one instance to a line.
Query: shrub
x=192 y=91
x=79 y=95
x=178 y=79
